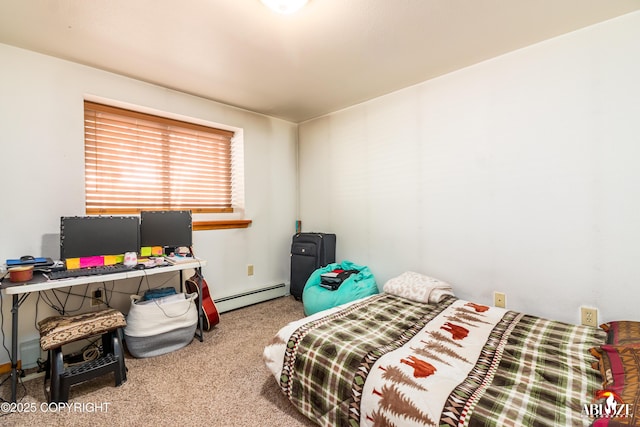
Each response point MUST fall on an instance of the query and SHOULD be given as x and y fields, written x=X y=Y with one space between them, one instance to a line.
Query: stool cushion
x=56 y=331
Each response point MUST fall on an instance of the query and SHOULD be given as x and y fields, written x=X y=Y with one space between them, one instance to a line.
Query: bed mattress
x=390 y=361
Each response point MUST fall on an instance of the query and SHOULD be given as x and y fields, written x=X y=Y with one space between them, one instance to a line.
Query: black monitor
x=84 y=236
x=169 y=229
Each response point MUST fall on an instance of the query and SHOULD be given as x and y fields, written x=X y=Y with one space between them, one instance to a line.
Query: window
x=136 y=161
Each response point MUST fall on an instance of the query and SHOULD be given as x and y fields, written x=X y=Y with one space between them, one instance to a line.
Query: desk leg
x=200 y=334
x=14 y=348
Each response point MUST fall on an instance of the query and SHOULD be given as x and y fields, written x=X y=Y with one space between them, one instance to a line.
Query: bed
x=389 y=360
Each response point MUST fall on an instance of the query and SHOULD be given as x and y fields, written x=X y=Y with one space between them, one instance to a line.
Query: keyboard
x=91 y=271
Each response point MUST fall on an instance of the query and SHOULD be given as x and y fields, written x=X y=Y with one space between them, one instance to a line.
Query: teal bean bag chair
x=315 y=298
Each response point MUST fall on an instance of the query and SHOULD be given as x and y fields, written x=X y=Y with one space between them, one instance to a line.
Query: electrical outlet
x=96 y=297
x=250 y=270
x=589 y=316
x=499 y=299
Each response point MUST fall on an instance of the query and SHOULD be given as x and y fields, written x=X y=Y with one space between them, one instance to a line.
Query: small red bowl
x=21 y=274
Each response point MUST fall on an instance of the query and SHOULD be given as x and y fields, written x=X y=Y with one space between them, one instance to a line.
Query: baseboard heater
x=250 y=297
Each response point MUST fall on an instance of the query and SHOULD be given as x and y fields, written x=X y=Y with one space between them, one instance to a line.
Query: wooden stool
x=57 y=331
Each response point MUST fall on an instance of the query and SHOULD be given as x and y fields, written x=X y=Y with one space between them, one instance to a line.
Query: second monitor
x=165 y=228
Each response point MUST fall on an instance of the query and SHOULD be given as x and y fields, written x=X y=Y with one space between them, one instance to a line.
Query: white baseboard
x=251 y=297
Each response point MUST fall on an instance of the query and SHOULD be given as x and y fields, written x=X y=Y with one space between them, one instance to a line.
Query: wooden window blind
x=136 y=161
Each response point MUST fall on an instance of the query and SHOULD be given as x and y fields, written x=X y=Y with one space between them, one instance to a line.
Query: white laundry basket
x=160 y=325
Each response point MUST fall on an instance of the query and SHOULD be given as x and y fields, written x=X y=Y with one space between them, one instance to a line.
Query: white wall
x=520 y=174
x=42 y=155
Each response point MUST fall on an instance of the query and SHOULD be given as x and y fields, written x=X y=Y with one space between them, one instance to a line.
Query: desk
x=21 y=291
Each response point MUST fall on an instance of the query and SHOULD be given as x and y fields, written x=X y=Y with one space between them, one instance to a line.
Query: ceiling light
x=286 y=7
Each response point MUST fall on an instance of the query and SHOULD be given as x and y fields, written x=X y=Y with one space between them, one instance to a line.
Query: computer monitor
x=85 y=236
x=169 y=229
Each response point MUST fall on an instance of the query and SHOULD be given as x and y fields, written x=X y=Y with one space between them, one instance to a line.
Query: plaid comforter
x=389 y=361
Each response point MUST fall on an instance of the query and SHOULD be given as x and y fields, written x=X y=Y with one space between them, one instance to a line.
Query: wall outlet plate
x=589 y=316
x=97 y=297
x=500 y=299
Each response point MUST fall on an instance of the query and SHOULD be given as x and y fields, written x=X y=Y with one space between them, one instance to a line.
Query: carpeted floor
x=220 y=382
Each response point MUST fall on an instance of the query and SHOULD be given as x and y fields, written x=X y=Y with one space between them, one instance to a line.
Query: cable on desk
x=61 y=308
x=146 y=279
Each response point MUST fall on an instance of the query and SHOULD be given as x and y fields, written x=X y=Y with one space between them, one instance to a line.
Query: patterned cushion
x=621 y=332
x=620 y=369
x=56 y=331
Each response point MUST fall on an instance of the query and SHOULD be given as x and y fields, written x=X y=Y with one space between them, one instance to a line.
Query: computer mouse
x=27 y=258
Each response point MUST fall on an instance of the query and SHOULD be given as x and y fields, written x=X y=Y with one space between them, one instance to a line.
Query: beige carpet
x=220 y=382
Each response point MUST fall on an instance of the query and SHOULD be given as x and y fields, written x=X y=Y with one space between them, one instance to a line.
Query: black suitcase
x=309 y=251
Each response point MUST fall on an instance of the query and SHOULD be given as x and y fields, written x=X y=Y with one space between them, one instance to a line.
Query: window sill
x=221 y=225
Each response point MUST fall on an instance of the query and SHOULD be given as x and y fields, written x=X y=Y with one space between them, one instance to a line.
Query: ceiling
x=331 y=55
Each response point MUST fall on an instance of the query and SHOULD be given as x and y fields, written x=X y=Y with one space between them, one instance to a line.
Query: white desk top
x=40 y=283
